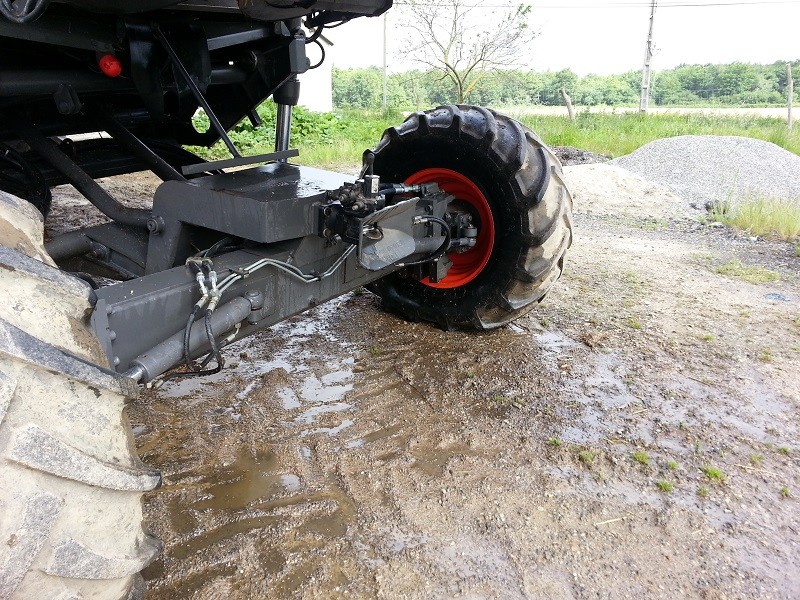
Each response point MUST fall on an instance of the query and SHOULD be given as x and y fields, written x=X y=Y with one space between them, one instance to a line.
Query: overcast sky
x=608 y=36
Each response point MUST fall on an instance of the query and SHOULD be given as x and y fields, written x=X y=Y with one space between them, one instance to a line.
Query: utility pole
x=790 y=95
x=644 y=100
x=385 y=61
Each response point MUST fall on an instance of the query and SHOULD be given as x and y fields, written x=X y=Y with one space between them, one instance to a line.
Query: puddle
x=247 y=480
x=597 y=401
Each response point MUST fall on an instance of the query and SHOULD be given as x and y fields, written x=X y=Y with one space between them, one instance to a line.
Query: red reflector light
x=110 y=65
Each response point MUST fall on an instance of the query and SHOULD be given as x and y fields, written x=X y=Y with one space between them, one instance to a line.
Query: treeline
x=732 y=84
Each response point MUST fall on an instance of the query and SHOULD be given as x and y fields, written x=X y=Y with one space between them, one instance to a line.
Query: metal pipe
x=68 y=245
x=169 y=353
x=136 y=147
x=45 y=82
x=39 y=83
x=87 y=186
x=283 y=129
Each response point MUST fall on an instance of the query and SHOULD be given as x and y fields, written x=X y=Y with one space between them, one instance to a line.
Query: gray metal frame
x=220 y=254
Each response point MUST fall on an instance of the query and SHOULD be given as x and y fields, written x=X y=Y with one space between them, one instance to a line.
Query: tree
x=463 y=42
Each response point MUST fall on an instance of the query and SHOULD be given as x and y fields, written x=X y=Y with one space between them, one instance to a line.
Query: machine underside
x=282 y=237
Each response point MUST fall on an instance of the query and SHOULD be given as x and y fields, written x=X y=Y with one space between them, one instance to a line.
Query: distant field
x=338 y=139
x=719 y=111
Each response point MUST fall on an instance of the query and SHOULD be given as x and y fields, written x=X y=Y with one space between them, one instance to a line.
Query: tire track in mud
x=349 y=453
x=332 y=421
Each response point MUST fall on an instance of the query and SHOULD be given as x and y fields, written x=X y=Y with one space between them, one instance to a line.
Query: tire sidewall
x=403 y=158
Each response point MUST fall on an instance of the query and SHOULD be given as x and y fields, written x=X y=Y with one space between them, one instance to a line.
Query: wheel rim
x=468 y=265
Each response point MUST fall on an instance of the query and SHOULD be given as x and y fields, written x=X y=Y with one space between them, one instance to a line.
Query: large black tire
x=70 y=481
x=24 y=180
x=519 y=179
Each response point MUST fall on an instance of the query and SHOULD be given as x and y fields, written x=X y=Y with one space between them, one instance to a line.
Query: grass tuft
x=755 y=275
x=764 y=217
x=641 y=457
x=713 y=473
x=665 y=486
x=586 y=456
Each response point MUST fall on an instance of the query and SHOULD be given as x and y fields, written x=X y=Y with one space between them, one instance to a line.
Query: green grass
x=766 y=217
x=339 y=138
x=618 y=134
x=586 y=456
x=665 y=486
x=785 y=493
x=755 y=275
x=672 y=465
x=554 y=442
x=702 y=491
x=713 y=473
x=641 y=457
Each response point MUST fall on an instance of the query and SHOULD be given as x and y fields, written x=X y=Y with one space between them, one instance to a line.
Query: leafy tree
x=736 y=83
x=359 y=88
x=462 y=42
x=735 y=78
x=553 y=82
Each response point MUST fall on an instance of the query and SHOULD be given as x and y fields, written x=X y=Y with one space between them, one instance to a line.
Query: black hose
x=315 y=36
x=187 y=334
x=193 y=369
x=322 y=58
x=215 y=249
x=214 y=349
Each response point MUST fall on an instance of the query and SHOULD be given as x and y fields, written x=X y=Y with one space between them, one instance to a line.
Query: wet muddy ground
x=634 y=436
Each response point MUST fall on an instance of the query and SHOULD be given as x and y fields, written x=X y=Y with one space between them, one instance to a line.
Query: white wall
x=316 y=86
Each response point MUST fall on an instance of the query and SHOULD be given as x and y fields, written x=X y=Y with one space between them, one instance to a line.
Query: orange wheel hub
x=467 y=265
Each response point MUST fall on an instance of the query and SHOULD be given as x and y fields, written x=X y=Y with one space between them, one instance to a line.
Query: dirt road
x=636 y=436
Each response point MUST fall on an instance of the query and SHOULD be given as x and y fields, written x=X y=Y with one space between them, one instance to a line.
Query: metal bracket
x=238 y=162
x=394 y=226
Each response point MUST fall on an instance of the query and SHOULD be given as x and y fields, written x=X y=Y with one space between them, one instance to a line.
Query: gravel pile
x=611 y=190
x=575 y=156
x=705 y=170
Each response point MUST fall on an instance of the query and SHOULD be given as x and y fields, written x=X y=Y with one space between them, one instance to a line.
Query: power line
x=602 y=5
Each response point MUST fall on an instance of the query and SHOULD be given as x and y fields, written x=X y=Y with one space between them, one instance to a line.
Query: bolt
x=155 y=225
